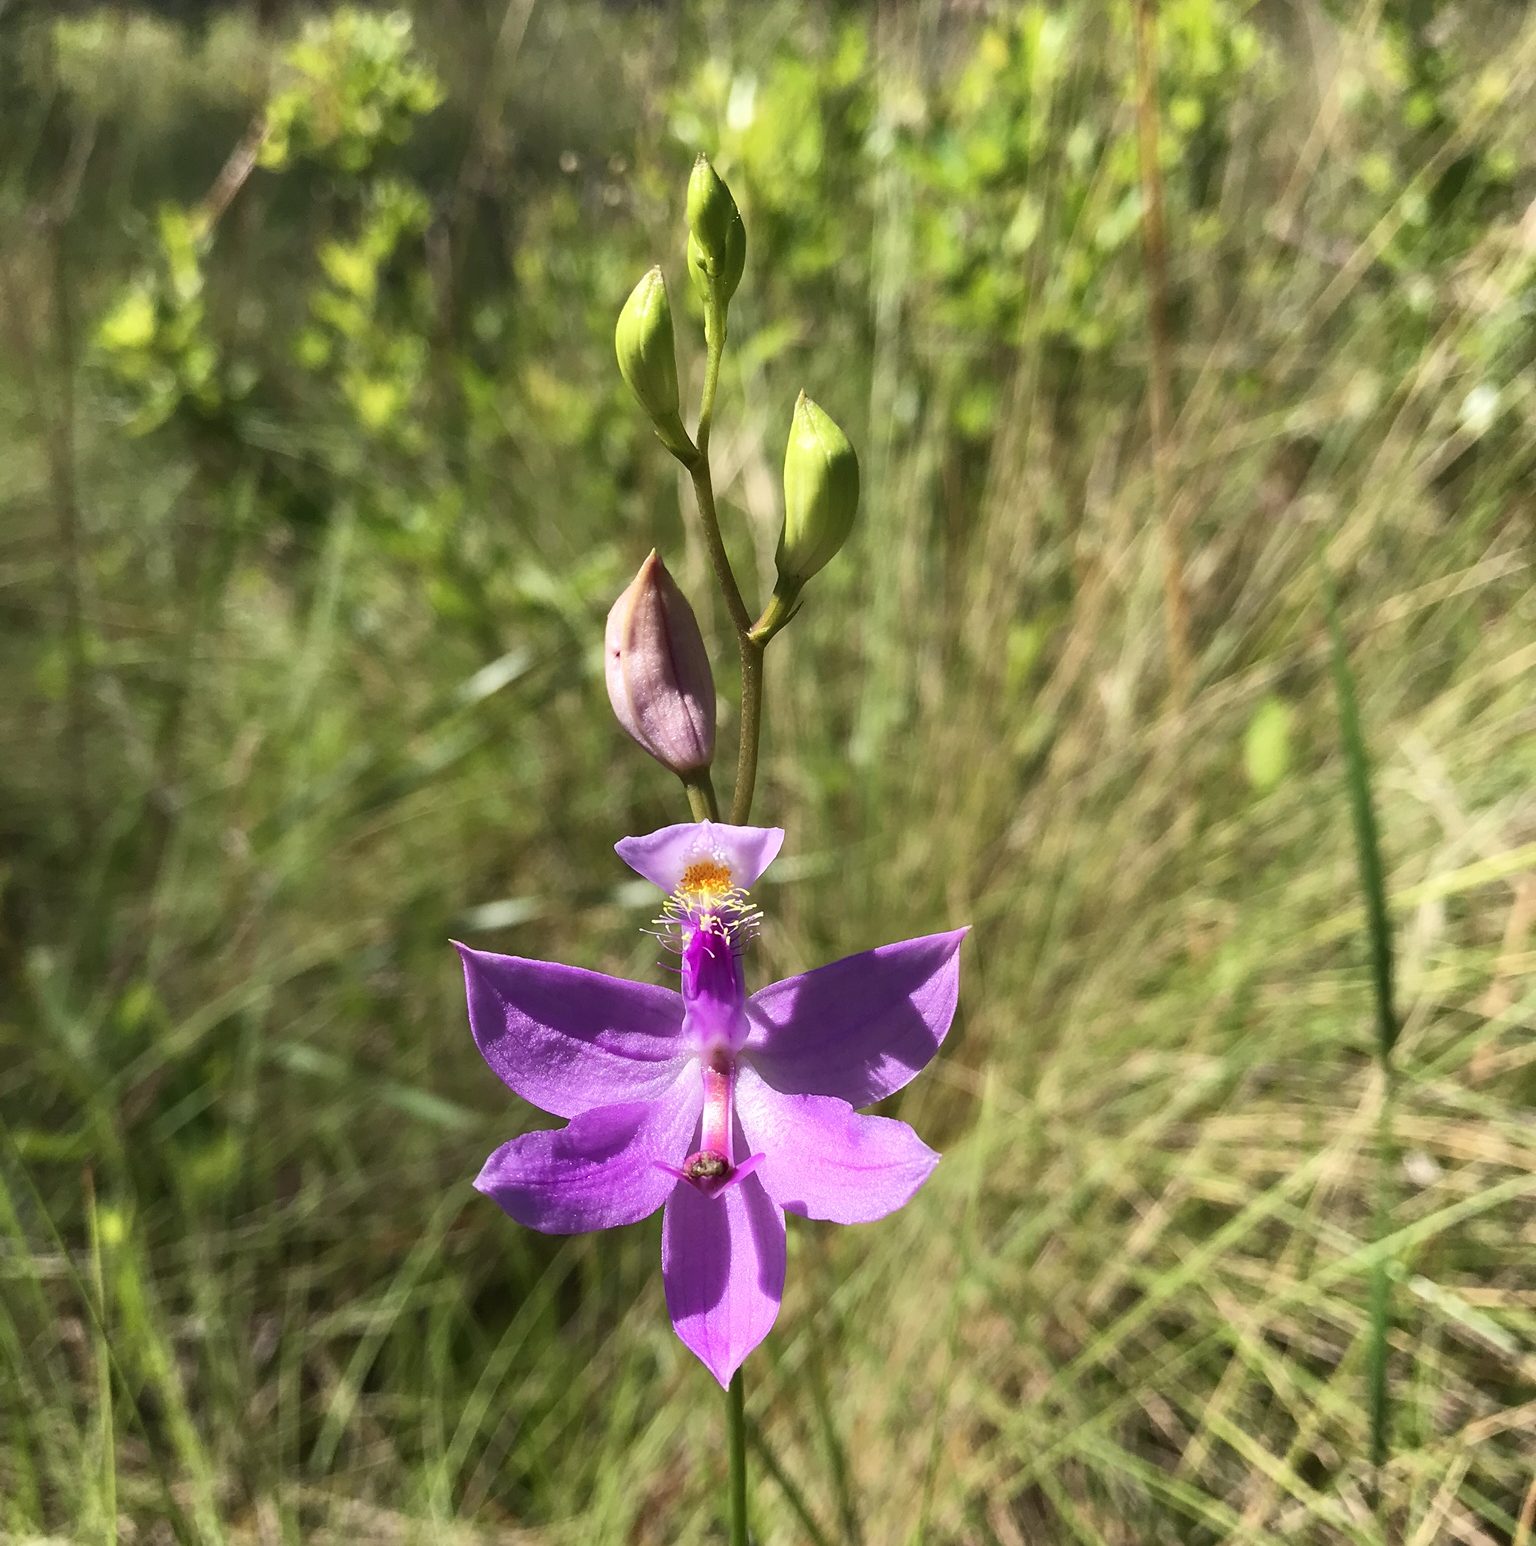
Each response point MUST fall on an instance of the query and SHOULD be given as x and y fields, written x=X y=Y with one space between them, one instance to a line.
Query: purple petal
x=663 y=856
x=722 y=1261
x=861 y=1027
x=822 y=1159
x=598 y=1171
x=570 y=1040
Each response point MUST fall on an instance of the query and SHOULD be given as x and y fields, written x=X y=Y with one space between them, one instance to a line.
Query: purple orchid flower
x=726 y=1110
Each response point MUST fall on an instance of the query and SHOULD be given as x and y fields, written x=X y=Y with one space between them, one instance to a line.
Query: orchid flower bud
x=659 y=680
x=717 y=240
x=821 y=494
x=648 y=359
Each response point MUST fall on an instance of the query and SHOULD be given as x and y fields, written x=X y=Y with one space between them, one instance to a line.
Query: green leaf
x=1267 y=745
x=130 y=325
x=349 y=268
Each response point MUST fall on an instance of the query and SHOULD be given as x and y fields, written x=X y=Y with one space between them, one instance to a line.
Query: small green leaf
x=1267 y=745
x=350 y=269
x=130 y=325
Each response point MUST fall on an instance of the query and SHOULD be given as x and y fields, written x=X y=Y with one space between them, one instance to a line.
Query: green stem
x=1381 y=1286
x=781 y=607
x=701 y=795
x=714 y=352
x=1154 y=240
x=746 y=777
x=747 y=640
x=105 y=1432
x=751 y=727
x=736 y=1433
x=741 y=620
x=704 y=494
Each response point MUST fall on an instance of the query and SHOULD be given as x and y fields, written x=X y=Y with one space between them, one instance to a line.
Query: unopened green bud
x=821 y=494
x=648 y=359
x=717 y=240
x=735 y=263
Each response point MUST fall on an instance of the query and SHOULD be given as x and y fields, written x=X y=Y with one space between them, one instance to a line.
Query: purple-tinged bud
x=659 y=680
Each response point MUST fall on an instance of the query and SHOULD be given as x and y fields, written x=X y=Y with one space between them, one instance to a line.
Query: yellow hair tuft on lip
x=705 y=878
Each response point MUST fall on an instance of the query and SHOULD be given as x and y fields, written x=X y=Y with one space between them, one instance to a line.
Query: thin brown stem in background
x=1154 y=239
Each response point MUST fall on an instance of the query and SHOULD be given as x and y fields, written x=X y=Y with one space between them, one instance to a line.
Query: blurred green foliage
x=154 y=338
x=356 y=85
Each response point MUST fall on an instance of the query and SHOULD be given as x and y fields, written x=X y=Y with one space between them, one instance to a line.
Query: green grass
x=1373 y=896
x=305 y=704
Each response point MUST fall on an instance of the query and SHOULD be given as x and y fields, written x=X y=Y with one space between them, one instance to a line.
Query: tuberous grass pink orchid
x=724 y=1110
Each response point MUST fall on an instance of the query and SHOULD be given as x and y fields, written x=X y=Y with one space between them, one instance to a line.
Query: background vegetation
x=317 y=481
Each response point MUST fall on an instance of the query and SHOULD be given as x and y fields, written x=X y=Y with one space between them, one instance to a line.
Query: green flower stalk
x=670 y=1097
x=821 y=496
x=648 y=360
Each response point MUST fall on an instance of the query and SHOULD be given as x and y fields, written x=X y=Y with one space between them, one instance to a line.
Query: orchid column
x=724 y=1109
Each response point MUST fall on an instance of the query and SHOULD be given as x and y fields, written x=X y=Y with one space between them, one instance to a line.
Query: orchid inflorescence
x=725 y=1110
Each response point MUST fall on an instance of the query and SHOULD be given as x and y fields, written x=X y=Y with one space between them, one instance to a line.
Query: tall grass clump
x=310 y=498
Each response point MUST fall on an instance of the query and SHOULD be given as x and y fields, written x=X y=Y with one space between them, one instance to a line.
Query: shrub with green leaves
x=353 y=82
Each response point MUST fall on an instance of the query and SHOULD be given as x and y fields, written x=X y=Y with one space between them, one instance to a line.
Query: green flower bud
x=717 y=240
x=821 y=494
x=648 y=359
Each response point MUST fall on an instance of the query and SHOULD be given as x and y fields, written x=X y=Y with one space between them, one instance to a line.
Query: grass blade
x=792 y=1494
x=1357 y=778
